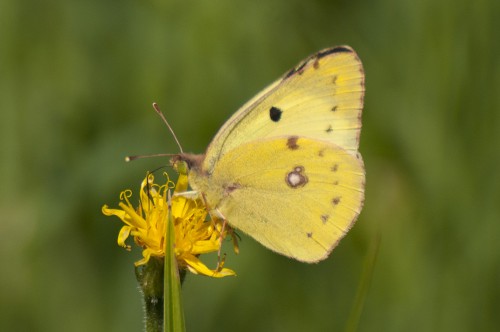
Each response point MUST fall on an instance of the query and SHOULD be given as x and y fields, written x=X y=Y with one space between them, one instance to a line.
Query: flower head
x=194 y=235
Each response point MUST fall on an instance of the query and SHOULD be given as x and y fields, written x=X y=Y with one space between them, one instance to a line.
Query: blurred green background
x=77 y=79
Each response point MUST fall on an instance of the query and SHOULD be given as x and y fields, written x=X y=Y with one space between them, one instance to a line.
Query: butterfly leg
x=221 y=238
x=216 y=214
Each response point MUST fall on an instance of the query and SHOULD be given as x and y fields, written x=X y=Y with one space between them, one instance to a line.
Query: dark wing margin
x=318 y=55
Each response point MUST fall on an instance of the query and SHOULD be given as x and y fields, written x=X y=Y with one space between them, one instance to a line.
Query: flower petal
x=196 y=266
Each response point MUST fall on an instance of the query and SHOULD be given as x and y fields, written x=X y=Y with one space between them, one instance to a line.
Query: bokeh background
x=77 y=79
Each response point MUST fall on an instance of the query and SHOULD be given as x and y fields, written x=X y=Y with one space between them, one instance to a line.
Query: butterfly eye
x=275 y=114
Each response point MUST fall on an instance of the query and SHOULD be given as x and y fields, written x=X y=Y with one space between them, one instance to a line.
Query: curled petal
x=123 y=235
x=196 y=266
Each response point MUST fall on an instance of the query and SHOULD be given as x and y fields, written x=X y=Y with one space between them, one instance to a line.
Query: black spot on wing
x=275 y=114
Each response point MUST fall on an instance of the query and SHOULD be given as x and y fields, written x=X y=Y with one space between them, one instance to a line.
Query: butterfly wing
x=295 y=195
x=321 y=98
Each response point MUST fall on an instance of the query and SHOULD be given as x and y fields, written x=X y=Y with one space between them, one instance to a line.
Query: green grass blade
x=364 y=285
x=173 y=311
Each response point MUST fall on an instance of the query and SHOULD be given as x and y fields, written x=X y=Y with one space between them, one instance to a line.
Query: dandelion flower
x=194 y=235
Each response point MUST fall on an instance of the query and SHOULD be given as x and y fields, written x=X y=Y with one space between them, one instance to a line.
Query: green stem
x=150 y=278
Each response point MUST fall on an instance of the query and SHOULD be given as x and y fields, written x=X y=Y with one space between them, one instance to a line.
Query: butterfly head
x=184 y=162
x=191 y=165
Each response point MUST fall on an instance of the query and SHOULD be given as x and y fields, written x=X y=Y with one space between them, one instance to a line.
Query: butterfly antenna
x=157 y=109
x=132 y=158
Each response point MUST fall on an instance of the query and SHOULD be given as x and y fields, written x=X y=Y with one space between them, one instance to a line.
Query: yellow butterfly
x=285 y=168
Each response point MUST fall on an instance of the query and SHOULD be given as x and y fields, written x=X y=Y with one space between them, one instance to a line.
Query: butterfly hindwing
x=297 y=196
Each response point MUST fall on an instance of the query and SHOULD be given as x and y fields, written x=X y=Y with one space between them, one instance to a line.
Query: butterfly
x=285 y=168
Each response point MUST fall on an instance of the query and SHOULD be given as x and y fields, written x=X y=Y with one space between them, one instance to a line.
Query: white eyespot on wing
x=296 y=178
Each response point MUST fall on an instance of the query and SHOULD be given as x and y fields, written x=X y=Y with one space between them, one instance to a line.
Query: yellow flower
x=147 y=224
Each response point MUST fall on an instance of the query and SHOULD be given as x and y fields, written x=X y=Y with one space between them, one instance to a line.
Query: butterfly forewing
x=321 y=98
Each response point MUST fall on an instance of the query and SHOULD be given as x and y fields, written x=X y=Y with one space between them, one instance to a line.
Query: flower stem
x=150 y=278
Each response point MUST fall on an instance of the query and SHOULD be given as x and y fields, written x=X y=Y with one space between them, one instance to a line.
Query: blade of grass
x=173 y=311
x=364 y=285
